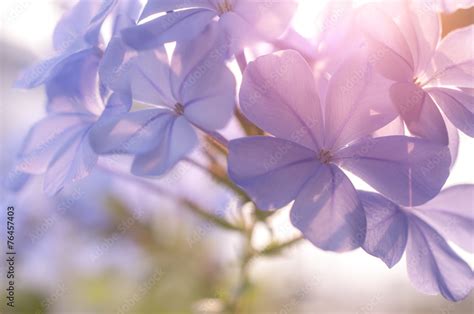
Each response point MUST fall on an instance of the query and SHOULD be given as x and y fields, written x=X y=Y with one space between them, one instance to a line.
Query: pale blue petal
x=453 y=61
x=73 y=161
x=201 y=81
x=74 y=24
x=392 y=55
x=407 y=170
x=159 y=6
x=387 y=228
x=357 y=102
x=421 y=115
x=46 y=138
x=452 y=213
x=174 y=26
x=328 y=211
x=458 y=107
x=136 y=132
x=45 y=70
x=270 y=98
x=271 y=170
x=92 y=35
x=179 y=139
x=74 y=88
x=433 y=267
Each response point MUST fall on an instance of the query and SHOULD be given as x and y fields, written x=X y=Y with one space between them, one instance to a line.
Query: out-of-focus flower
x=312 y=140
x=78 y=33
x=405 y=41
x=423 y=231
x=197 y=89
x=242 y=21
x=58 y=146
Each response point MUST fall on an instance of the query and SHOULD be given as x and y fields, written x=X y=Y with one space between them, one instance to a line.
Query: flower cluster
x=383 y=97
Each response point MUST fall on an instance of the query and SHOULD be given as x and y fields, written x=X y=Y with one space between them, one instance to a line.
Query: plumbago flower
x=423 y=231
x=426 y=71
x=195 y=90
x=58 y=146
x=78 y=33
x=243 y=21
x=313 y=140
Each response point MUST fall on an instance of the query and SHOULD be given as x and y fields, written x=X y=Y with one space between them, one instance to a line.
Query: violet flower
x=195 y=90
x=423 y=231
x=313 y=140
x=242 y=21
x=58 y=145
x=427 y=72
x=77 y=34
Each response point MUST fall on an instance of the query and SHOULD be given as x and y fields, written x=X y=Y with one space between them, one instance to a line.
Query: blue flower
x=58 y=145
x=242 y=21
x=195 y=90
x=313 y=141
x=423 y=231
x=77 y=34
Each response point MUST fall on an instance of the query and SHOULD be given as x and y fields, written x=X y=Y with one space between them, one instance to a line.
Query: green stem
x=276 y=248
x=248 y=254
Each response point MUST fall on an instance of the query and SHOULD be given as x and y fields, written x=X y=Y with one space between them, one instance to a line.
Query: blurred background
x=114 y=246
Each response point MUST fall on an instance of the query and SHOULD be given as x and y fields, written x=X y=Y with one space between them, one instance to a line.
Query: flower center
x=325 y=156
x=224 y=7
x=179 y=109
x=417 y=81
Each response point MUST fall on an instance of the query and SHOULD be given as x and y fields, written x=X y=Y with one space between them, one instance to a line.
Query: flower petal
x=174 y=26
x=45 y=70
x=458 y=107
x=115 y=66
x=451 y=212
x=73 y=161
x=357 y=102
x=158 y=6
x=387 y=228
x=407 y=170
x=74 y=88
x=454 y=139
x=46 y=138
x=392 y=55
x=238 y=31
x=136 y=132
x=73 y=24
x=433 y=266
x=117 y=104
x=92 y=35
x=201 y=81
x=149 y=78
x=271 y=170
x=396 y=127
x=421 y=29
x=328 y=211
x=270 y=18
x=453 y=61
x=421 y=115
x=179 y=139
x=270 y=98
